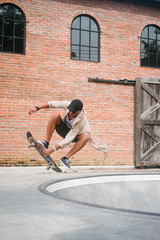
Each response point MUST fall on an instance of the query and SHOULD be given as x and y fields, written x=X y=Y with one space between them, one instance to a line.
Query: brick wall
x=46 y=72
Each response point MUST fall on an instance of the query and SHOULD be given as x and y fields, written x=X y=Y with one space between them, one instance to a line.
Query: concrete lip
x=137 y=193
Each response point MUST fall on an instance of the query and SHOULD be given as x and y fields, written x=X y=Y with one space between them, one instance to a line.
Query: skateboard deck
x=39 y=148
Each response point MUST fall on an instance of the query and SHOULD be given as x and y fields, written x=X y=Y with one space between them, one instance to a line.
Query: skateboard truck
x=49 y=166
x=31 y=145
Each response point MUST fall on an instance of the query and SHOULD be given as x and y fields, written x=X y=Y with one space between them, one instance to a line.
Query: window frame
x=148 y=40
x=13 y=37
x=80 y=45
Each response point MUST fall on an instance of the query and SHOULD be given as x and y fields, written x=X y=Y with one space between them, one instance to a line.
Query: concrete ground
x=28 y=214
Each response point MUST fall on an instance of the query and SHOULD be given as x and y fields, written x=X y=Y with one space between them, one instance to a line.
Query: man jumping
x=72 y=127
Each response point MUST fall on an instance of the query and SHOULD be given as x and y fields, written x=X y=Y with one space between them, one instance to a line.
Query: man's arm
x=59 y=104
x=50 y=150
x=37 y=108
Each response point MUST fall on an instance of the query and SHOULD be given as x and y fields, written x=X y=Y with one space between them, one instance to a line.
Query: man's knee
x=56 y=117
x=84 y=136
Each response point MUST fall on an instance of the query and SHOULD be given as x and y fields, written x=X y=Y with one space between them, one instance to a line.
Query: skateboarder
x=72 y=127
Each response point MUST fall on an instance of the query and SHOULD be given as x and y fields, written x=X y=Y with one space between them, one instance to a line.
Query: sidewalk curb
x=43 y=170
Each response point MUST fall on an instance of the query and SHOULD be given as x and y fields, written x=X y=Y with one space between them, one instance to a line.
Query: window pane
x=8 y=28
x=0 y=27
x=152 y=32
x=93 y=26
x=85 y=53
x=0 y=43
x=75 y=36
x=144 y=59
x=85 y=38
x=19 y=45
x=7 y=44
x=85 y=22
x=94 y=39
x=158 y=47
x=144 y=45
x=76 y=23
x=1 y=12
x=152 y=46
x=94 y=54
x=19 y=15
x=9 y=11
x=19 y=29
x=158 y=34
x=75 y=52
x=158 y=60
x=152 y=60
x=145 y=33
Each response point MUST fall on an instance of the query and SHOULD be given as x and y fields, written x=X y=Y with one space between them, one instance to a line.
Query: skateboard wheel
x=30 y=145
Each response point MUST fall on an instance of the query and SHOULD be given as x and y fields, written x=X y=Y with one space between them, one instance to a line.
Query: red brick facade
x=46 y=72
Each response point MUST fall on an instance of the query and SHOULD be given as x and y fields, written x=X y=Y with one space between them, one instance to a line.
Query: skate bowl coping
x=126 y=193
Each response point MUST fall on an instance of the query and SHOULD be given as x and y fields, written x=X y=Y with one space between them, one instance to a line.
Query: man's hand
x=32 y=110
x=48 y=151
x=35 y=109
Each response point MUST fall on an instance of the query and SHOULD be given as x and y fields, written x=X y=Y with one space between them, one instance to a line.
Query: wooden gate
x=147 y=122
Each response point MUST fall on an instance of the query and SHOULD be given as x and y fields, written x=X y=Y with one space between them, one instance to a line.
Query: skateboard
x=39 y=148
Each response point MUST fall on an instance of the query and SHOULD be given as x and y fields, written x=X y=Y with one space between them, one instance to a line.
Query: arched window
x=85 y=39
x=150 y=46
x=12 y=29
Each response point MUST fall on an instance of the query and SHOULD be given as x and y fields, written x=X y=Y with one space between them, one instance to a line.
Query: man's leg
x=54 y=121
x=82 y=140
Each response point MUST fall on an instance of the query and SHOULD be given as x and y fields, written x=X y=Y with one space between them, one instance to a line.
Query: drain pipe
x=120 y=82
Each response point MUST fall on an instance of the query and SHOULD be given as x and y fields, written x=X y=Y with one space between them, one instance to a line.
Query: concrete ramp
x=133 y=193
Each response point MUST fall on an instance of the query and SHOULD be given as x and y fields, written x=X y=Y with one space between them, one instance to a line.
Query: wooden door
x=147 y=122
